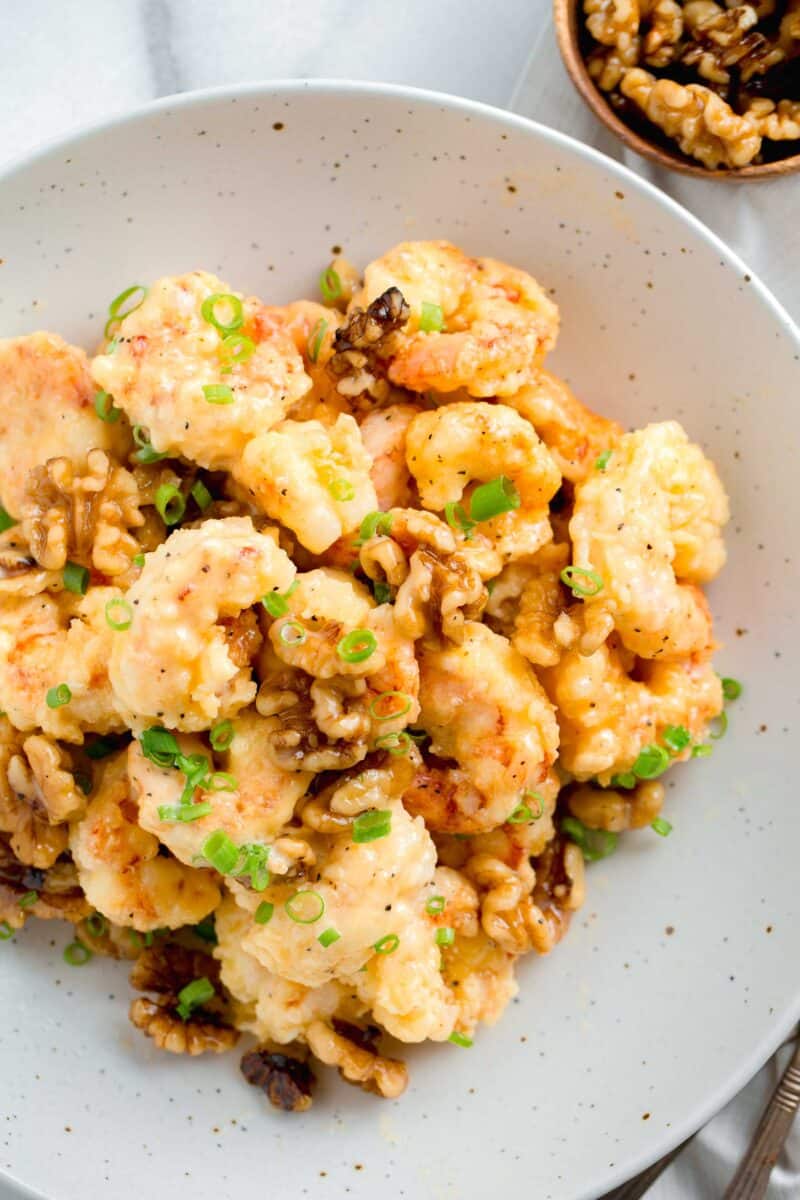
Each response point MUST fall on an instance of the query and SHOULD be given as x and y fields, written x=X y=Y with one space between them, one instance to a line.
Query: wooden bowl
x=567 y=14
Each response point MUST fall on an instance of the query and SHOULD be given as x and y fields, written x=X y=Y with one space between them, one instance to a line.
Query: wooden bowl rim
x=565 y=18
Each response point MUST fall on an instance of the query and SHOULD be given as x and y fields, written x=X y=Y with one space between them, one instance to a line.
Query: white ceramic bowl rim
x=784 y=1020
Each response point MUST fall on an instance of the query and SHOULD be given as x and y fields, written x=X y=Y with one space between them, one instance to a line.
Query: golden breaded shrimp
x=48 y=642
x=383 y=431
x=166 y=353
x=574 y=435
x=484 y=708
x=174 y=665
x=325 y=606
x=498 y=322
x=457 y=444
x=607 y=717
x=255 y=810
x=313 y=479
x=120 y=868
x=649 y=527
x=46 y=410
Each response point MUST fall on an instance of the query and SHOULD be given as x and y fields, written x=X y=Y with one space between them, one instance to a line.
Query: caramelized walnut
x=58 y=893
x=24 y=812
x=166 y=968
x=607 y=808
x=158 y=1020
x=725 y=39
x=363 y=346
x=243 y=637
x=286 y=1082
x=353 y=1051
x=85 y=518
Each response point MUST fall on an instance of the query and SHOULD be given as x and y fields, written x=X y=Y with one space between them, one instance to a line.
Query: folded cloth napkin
x=761 y=221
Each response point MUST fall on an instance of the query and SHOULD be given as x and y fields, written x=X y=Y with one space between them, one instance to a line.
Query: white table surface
x=64 y=63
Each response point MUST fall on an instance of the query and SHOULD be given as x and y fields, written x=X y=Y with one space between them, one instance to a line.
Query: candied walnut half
x=28 y=787
x=665 y=20
x=286 y=1082
x=58 y=893
x=353 y=1051
x=243 y=637
x=725 y=39
x=607 y=808
x=85 y=518
x=166 y=968
x=296 y=741
x=779 y=122
x=362 y=347
x=703 y=125
x=158 y=1020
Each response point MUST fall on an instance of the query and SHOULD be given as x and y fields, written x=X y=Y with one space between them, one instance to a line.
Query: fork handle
x=752 y=1175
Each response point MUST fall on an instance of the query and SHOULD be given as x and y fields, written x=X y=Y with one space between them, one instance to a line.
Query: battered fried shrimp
x=46 y=410
x=484 y=708
x=492 y=324
x=617 y=810
x=574 y=435
x=468 y=442
x=383 y=432
x=173 y=665
x=643 y=531
x=168 y=353
x=313 y=479
x=120 y=868
x=49 y=643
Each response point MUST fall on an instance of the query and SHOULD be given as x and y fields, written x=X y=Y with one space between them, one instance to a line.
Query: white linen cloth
x=761 y=221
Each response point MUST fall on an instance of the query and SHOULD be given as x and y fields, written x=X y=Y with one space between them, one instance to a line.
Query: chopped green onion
x=96 y=924
x=83 y=781
x=124 y=613
x=6 y=520
x=396 y=744
x=104 y=407
x=357 y=646
x=208 y=312
x=539 y=802
x=184 y=813
x=206 y=931
x=57 y=697
x=387 y=944
x=601 y=462
x=445 y=935
x=594 y=843
x=626 y=780
x=572 y=577
x=456 y=517
x=138 y=560
x=170 y=503
x=145 y=453
x=703 y=750
x=6 y=931
x=115 y=310
x=28 y=900
x=720 y=724
x=374 y=523
x=330 y=285
x=661 y=827
x=218 y=393
x=201 y=495
x=731 y=688
x=100 y=748
x=221 y=852
x=275 y=603
x=651 y=762
x=376 y=712
x=235 y=349
x=431 y=317
x=521 y=815
x=381 y=591
x=435 y=905
x=328 y=937
x=491 y=499
x=292 y=633
x=77 y=954
x=342 y=490
x=263 y=914
x=76 y=578
x=676 y=738
x=221 y=735
x=316 y=338
x=160 y=746
x=255 y=858
x=305 y=907
x=221 y=781
x=460 y=1039
x=198 y=992
x=371 y=825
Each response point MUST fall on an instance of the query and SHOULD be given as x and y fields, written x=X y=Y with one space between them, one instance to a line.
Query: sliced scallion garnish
x=582 y=582
x=357 y=646
x=372 y=825
x=76 y=578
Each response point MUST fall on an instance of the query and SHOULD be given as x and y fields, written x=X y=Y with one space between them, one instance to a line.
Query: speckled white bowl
x=681 y=974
